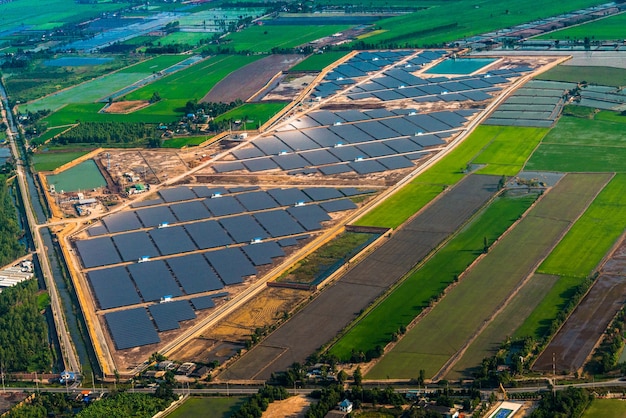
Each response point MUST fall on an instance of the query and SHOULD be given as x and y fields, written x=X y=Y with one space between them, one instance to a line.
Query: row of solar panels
x=239 y=229
x=225 y=205
x=134 y=327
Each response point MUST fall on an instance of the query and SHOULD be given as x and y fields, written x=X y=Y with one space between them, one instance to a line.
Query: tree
x=342 y=376
x=421 y=378
x=156 y=97
x=358 y=376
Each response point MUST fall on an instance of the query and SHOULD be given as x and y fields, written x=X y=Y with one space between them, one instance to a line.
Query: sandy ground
x=126 y=106
x=294 y=407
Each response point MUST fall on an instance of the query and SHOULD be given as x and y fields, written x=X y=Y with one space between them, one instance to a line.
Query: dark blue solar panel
x=131 y=328
x=97 y=252
x=225 y=205
x=154 y=280
x=172 y=240
x=231 y=265
x=304 y=122
x=427 y=123
x=324 y=137
x=386 y=95
x=96 y=230
x=262 y=253
x=322 y=193
x=260 y=164
x=477 y=96
x=243 y=228
x=303 y=171
x=145 y=203
x=194 y=273
x=395 y=162
x=372 y=86
x=290 y=161
x=258 y=200
x=297 y=140
x=310 y=216
x=402 y=145
x=324 y=117
x=278 y=223
x=352 y=115
x=202 y=302
x=319 y=157
x=476 y=83
x=245 y=153
x=335 y=169
x=271 y=145
x=378 y=113
x=190 y=211
x=156 y=216
x=428 y=140
x=377 y=130
x=351 y=191
x=338 y=205
x=168 y=315
x=412 y=92
x=288 y=197
x=241 y=189
x=113 y=287
x=287 y=242
x=450 y=118
x=388 y=82
x=208 y=234
x=228 y=167
x=347 y=153
x=135 y=245
x=367 y=166
x=350 y=133
x=176 y=194
x=375 y=149
x=400 y=125
x=120 y=222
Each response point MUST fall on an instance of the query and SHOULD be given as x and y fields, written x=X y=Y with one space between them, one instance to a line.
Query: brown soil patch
x=293 y=407
x=127 y=106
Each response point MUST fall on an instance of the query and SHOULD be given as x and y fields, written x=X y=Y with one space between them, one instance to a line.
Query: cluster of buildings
x=11 y=276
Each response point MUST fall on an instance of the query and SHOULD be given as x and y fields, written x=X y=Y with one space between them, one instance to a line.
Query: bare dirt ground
x=246 y=81
x=293 y=407
x=289 y=87
x=126 y=106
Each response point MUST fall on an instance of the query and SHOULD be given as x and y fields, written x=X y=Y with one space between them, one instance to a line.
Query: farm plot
x=606 y=76
x=317 y=62
x=248 y=80
x=606 y=408
x=90 y=112
x=581 y=145
x=254 y=114
x=335 y=307
x=440 y=335
x=421 y=287
x=266 y=38
x=48 y=161
x=611 y=28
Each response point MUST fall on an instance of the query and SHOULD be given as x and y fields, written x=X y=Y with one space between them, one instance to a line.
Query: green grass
x=204 y=407
x=185 y=38
x=448 y=171
x=317 y=62
x=49 y=134
x=181 y=141
x=89 y=112
x=606 y=408
x=604 y=76
x=581 y=145
x=408 y=300
x=609 y=116
x=611 y=28
x=582 y=112
x=264 y=38
x=509 y=150
x=254 y=114
x=592 y=236
x=441 y=333
x=48 y=161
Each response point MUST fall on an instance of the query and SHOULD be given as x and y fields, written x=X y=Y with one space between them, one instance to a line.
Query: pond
x=84 y=176
x=460 y=65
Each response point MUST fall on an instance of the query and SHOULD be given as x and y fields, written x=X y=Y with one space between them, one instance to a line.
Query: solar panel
x=400 y=125
x=395 y=162
x=476 y=83
x=350 y=133
x=202 y=302
x=367 y=166
x=309 y=216
x=352 y=115
x=335 y=169
x=288 y=197
x=338 y=205
x=287 y=242
x=372 y=86
x=453 y=86
x=245 y=153
x=113 y=287
x=241 y=189
x=324 y=136
x=228 y=167
x=155 y=216
x=231 y=265
x=387 y=95
x=412 y=92
x=378 y=113
x=96 y=230
x=477 y=96
x=194 y=274
x=349 y=153
x=427 y=123
x=190 y=211
x=271 y=145
x=297 y=140
x=243 y=228
x=135 y=245
x=208 y=234
x=319 y=157
x=322 y=193
x=290 y=161
x=168 y=315
x=145 y=203
x=452 y=97
x=258 y=200
x=388 y=82
x=131 y=328
x=352 y=191
x=278 y=223
x=154 y=280
x=324 y=117
x=402 y=145
x=262 y=253
x=120 y=222
x=376 y=149
x=176 y=194
x=405 y=77
x=172 y=240
x=304 y=122
x=260 y=164
x=428 y=140
x=97 y=252
x=222 y=206
x=377 y=130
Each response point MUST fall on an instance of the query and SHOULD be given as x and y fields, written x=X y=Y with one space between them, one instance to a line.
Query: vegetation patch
x=279 y=38
x=219 y=407
x=251 y=115
x=604 y=76
x=606 y=408
x=317 y=62
x=608 y=29
x=185 y=141
x=10 y=232
x=49 y=161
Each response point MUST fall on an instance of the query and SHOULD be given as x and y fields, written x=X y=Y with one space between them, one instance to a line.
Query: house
x=444 y=411
x=345 y=406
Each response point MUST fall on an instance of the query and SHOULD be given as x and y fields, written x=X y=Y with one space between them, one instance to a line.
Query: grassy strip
x=265 y=38
x=253 y=113
x=317 y=62
x=219 y=407
x=606 y=408
x=424 y=285
x=592 y=236
x=49 y=134
x=182 y=141
x=48 y=161
x=605 y=76
x=90 y=112
x=440 y=334
x=611 y=28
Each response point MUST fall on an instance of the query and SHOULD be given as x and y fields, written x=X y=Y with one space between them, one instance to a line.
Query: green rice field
x=264 y=38
x=90 y=112
x=440 y=334
x=49 y=161
x=49 y=134
x=608 y=29
x=415 y=293
x=317 y=62
x=606 y=408
x=199 y=407
x=603 y=76
x=184 y=38
x=253 y=114
x=185 y=141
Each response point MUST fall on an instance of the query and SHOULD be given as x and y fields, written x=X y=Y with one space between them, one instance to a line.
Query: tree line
x=10 y=232
x=109 y=133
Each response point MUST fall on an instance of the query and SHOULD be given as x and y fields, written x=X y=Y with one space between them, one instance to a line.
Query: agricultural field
x=49 y=134
x=197 y=407
x=48 y=161
x=184 y=38
x=581 y=145
x=608 y=29
x=185 y=141
x=253 y=114
x=606 y=408
x=604 y=76
x=91 y=112
x=265 y=38
x=424 y=285
x=317 y=62
x=439 y=335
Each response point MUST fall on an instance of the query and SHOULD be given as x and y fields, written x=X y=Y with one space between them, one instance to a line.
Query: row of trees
x=256 y=404
x=110 y=133
x=571 y=402
x=10 y=248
